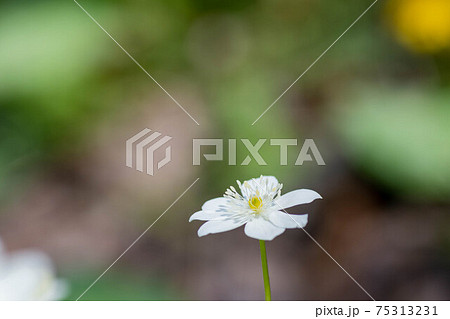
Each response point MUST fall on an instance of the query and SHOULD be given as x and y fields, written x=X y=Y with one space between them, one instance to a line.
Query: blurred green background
x=377 y=106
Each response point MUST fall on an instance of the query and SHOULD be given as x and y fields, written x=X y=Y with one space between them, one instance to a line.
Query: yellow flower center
x=255 y=203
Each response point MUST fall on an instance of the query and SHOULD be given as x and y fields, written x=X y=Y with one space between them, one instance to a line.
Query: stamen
x=255 y=203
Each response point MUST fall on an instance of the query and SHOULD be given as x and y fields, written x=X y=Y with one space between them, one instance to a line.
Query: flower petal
x=218 y=226
x=207 y=215
x=297 y=197
x=262 y=229
x=285 y=220
x=215 y=204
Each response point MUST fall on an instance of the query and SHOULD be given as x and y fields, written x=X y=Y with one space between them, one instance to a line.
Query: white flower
x=28 y=275
x=260 y=208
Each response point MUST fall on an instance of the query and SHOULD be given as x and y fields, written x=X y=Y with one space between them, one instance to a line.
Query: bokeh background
x=377 y=106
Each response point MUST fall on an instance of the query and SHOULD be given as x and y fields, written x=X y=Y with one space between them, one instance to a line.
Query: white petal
x=297 y=197
x=262 y=229
x=28 y=275
x=207 y=215
x=215 y=204
x=218 y=226
x=285 y=220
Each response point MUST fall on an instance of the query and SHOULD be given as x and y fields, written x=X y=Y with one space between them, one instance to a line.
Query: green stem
x=265 y=269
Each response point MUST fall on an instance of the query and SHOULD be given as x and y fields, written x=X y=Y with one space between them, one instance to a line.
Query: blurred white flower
x=260 y=208
x=28 y=275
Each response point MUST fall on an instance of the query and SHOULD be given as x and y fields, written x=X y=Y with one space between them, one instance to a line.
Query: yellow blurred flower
x=422 y=25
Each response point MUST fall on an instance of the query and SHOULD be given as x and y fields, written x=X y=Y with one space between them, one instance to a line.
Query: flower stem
x=265 y=269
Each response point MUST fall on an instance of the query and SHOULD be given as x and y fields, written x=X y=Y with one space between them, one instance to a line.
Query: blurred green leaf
x=401 y=138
